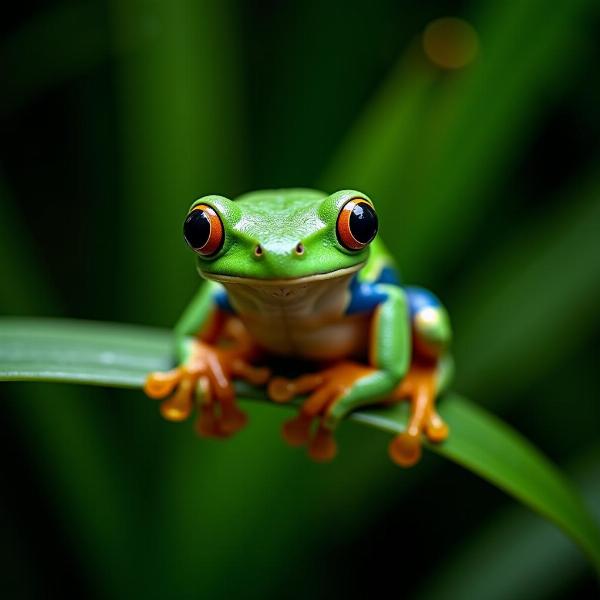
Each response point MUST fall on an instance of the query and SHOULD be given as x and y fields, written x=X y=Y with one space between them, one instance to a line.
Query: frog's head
x=278 y=235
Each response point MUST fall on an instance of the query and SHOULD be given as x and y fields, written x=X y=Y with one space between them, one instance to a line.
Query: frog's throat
x=286 y=281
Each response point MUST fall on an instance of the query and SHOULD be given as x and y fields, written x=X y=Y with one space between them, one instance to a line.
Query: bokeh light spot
x=450 y=43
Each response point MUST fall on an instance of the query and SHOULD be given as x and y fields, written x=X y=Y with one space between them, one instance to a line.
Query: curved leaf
x=509 y=556
x=121 y=355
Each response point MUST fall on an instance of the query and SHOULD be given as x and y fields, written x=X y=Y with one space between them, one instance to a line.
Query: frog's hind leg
x=429 y=373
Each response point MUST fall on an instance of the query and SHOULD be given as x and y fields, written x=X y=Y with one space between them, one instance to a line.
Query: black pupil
x=363 y=223
x=196 y=229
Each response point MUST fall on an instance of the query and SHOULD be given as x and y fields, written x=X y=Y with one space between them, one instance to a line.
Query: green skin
x=278 y=220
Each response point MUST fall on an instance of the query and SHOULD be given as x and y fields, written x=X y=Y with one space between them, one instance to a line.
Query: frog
x=300 y=277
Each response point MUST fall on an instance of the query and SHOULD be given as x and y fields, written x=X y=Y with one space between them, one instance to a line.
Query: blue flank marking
x=364 y=297
x=222 y=301
x=367 y=295
x=388 y=275
x=420 y=298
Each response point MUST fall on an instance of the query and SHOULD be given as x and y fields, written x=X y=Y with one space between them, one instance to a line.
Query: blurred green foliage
x=116 y=115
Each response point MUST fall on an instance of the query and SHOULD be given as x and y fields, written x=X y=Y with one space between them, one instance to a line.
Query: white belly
x=305 y=320
x=309 y=338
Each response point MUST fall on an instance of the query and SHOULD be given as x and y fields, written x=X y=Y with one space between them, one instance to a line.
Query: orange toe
x=436 y=430
x=232 y=419
x=280 y=389
x=206 y=424
x=296 y=432
x=322 y=447
x=253 y=375
x=160 y=384
x=405 y=449
x=173 y=411
x=179 y=406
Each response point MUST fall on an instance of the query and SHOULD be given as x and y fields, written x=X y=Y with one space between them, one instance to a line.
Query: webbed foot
x=419 y=386
x=207 y=376
x=313 y=425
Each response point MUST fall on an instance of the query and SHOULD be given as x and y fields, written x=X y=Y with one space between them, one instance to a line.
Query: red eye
x=357 y=224
x=203 y=230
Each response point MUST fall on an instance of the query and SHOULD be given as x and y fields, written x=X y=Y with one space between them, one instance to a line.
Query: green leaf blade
x=487 y=446
x=480 y=442
x=509 y=556
x=81 y=352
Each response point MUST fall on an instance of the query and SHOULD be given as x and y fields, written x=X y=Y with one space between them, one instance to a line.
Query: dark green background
x=115 y=115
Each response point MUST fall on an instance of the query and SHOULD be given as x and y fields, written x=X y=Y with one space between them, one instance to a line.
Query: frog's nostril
x=299 y=249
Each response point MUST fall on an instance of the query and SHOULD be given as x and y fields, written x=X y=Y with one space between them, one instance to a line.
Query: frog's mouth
x=283 y=291
x=283 y=281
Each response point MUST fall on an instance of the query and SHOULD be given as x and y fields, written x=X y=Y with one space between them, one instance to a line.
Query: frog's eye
x=203 y=230
x=356 y=224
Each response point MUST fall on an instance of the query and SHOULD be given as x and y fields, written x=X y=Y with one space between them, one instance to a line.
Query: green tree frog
x=297 y=276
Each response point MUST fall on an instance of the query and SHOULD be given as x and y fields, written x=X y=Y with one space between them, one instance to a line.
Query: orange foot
x=206 y=375
x=325 y=389
x=419 y=386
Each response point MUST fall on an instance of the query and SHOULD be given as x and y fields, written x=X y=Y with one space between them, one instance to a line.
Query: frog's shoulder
x=371 y=285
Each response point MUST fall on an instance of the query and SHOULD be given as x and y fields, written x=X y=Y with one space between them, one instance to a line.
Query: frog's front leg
x=207 y=376
x=209 y=362
x=341 y=388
